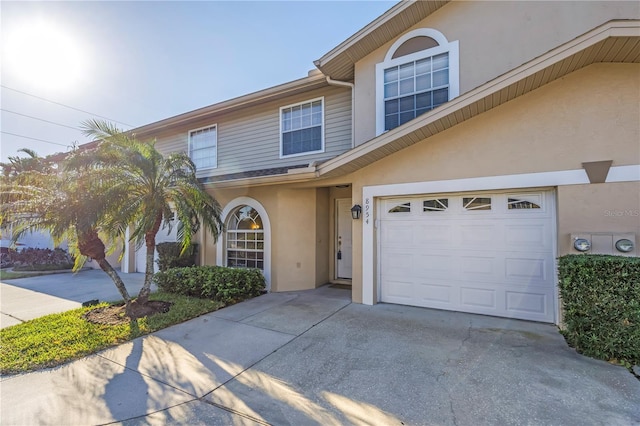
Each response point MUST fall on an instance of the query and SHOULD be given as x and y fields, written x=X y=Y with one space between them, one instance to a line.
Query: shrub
x=601 y=296
x=223 y=284
x=37 y=259
x=169 y=255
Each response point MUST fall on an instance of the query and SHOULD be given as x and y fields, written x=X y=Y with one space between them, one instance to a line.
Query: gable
x=617 y=41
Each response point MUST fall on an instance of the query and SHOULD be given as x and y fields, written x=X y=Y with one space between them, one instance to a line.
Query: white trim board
x=526 y=180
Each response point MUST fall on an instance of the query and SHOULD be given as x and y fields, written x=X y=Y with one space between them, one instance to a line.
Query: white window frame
x=321 y=150
x=221 y=244
x=215 y=163
x=444 y=46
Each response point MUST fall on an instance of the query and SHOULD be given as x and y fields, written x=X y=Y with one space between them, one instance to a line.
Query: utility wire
x=39 y=119
x=61 y=104
x=35 y=139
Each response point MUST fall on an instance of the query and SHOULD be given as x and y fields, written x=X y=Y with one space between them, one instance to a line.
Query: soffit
x=616 y=41
x=339 y=62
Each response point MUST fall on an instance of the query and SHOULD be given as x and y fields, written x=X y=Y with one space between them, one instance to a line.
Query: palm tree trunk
x=150 y=242
x=106 y=267
x=90 y=245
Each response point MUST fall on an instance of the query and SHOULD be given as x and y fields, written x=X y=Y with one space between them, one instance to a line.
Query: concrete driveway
x=306 y=358
x=28 y=298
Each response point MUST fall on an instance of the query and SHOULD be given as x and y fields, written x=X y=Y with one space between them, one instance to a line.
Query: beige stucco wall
x=590 y=115
x=300 y=239
x=494 y=37
x=597 y=208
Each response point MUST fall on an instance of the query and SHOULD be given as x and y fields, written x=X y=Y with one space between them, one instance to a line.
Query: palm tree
x=155 y=187
x=68 y=204
x=18 y=165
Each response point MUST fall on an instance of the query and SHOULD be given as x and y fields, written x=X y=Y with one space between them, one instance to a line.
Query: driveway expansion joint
x=12 y=316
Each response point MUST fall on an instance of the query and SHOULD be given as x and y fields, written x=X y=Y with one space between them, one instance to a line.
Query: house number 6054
x=367 y=210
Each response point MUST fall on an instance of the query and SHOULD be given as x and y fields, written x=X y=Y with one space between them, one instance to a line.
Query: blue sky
x=138 y=62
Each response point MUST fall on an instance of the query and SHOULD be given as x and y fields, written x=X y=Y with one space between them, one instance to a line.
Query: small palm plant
x=154 y=190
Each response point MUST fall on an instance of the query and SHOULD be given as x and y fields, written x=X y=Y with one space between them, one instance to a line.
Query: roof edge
x=614 y=28
x=263 y=95
x=366 y=30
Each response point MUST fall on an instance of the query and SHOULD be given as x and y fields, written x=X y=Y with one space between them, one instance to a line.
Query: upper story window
x=419 y=73
x=203 y=147
x=302 y=128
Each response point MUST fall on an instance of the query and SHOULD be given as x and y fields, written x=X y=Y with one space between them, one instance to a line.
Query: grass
x=11 y=275
x=59 y=338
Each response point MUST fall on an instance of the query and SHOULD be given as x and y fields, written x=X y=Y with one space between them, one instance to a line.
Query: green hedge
x=227 y=285
x=169 y=255
x=601 y=296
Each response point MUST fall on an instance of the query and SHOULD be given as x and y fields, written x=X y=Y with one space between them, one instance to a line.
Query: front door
x=343 y=238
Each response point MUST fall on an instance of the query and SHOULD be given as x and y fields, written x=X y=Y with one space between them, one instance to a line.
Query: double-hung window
x=419 y=73
x=302 y=128
x=203 y=147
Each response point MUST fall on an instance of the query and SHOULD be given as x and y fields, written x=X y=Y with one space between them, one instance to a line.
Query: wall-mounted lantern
x=356 y=210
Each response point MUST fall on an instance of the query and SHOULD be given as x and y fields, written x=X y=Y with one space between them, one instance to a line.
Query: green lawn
x=10 y=275
x=59 y=338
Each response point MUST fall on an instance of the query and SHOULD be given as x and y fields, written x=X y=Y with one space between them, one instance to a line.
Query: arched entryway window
x=245 y=238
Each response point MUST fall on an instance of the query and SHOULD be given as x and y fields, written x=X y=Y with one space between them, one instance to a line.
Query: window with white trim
x=203 y=147
x=245 y=239
x=420 y=72
x=302 y=128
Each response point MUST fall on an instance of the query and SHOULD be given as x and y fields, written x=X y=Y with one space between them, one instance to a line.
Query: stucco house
x=477 y=142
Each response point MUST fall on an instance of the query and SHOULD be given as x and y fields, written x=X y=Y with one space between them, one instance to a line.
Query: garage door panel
x=527 y=303
x=398 y=234
x=399 y=289
x=434 y=293
x=434 y=235
x=434 y=265
x=496 y=262
x=478 y=235
x=478 y=266
x=531 y=237
x=483 y=298
x=396 y=264
x=529 y=270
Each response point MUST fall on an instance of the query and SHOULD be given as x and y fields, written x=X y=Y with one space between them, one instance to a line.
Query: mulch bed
x=115 y=314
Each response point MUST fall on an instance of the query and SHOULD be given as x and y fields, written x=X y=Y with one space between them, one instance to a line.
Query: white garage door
x=481 y=253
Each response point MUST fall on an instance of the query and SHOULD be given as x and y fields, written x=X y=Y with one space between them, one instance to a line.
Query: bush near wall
x=227 y=285
x=601 y=296
x=37 y=259
x=169 y=255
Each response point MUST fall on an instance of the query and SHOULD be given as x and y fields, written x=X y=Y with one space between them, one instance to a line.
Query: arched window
x=245 y=239
x=246 y=243
x=419 y=73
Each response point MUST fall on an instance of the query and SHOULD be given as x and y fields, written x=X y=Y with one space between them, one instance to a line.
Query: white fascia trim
x=221 y=244
x=527 y=180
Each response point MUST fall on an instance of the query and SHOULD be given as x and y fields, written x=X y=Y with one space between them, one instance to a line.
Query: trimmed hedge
x=38 y=259
x=169 y=255
x=227 y=285
x=601 y=296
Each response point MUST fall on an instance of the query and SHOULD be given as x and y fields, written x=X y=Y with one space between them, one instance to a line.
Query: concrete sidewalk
x=305 y=358
x=24 y=299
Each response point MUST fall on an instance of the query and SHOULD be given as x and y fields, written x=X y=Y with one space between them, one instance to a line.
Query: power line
x=35 y=139
x=61 y=104
x=39 y=119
